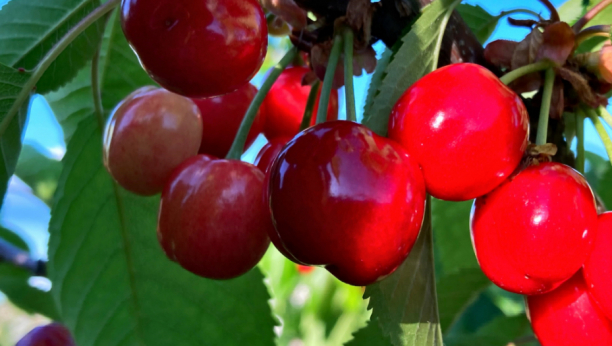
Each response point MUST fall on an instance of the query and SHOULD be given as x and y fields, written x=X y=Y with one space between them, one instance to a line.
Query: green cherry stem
x=580 y=157
x=445 y=19
x=525 y=70
x=312 y=99
x=245 y=126
x=349 y=90
x=549 y=82
x=603 y=112
x=328 y=80
x=601 y=131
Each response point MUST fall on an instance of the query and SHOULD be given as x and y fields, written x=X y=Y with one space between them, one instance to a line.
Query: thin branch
x=592 y=31
x=17 y=257
x=312 y=99
x=590 y=15
x=554 y=15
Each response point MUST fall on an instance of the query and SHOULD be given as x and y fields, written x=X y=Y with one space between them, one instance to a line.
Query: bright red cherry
x=150 y=133
x=347 y=199
x=568 y=317
x=466 y=129
x=222 y=116
x=197 y=48
x=304 y=269
x=536 y=229
x=269 y=152
x=53 y=334
x=284 y=105
x=598 y=268
x=212 y=220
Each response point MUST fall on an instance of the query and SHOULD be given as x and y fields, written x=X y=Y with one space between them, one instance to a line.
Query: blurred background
x=313 y=307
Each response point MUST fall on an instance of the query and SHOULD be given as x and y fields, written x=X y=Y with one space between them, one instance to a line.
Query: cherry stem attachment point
x=328 y=80
x=349 y=90
x=525 y=70
x=312 y=99
x=549 y=82
x=601 y=131
x=590 y=15
x=580 y=157
x=237 y=148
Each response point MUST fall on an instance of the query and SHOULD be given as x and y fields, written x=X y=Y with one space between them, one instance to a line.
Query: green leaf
x=369 y=335
x=453 y=245
x=412 y=61
x=13 y=238
x=572 y=10
x=478 y=20
x=39 y=172
x=457 y=291
x=11 y=130
x=112 y=281
x=30 y=28
x=499 y=332
x=377 y=78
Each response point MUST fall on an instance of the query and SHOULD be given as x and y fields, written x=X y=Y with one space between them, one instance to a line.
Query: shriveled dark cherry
x=347 y=199
x=466 y=129
x=598 y=268
x=212 y=220
x=150 y=133
x=284 y=105
x=197 y=48
x=221 y=117
x=269 y=152
x=568 y=317
x=536 y=229
x=53 y=334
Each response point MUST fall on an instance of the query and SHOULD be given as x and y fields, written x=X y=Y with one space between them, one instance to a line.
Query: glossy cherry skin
x=347 y=199
x=567 y=316
x=467 y=130
x=197 y=48
x=150 y=133
x=284 y=105
x=212 y=220
x=269 y=152
x=598 y=268
x=536 y=229
x=53 y=334
x=221 y=118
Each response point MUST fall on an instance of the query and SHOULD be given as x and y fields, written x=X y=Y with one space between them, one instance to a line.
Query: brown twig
x=554 y=15
x=11 y=254
x=590 y=15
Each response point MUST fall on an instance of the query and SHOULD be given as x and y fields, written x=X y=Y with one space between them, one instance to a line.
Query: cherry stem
x=312 y=99
x=518 y=10
x=237 y=148
x=349 y=90
x=525 y=70
x=445 y=19
x=328 y=80
x=603 y=112
x=554 y=15
x=601 y=131
x=50 y=57
x=597 y=30
x=549 y=82
x=590 y=15
x=580 y=157
x=19 y=258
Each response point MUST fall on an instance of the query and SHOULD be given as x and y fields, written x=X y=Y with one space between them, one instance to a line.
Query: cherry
x=598 y=268
x=197 y=48
x=284 y=105
x=467 y=130
x=304 y=269
x=150 y=133
x=212 y=220
x=222 y=116
x=53 y=334
x=568 y=317
x=536 y=229
x=269 y=152
x=347 y=199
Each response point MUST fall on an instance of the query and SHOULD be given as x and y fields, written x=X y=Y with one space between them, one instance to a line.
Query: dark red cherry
x=284 y=105
x=212 y=220
x=466 y=129
x=221 y=117
x=269 y=152
x=197 y=48
x=568 y=317
x=53 y=334
x=150 y=133
x=598 y=268
x=347 y=199
x=536 y=229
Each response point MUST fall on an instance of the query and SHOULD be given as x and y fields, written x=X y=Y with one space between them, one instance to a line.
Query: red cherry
x=197 y=48
x=211 y=219
x=53 y=334
x=347 y=199
x=150 y=133
x=568 y=317
x=467 y=130
x=536 y=229
x=598 y=268
x=222 y=116
x=284 y=105
x=304 y=269
x=269 y=152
